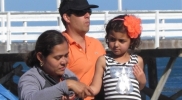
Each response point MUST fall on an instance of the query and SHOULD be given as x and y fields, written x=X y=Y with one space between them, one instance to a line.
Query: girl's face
x=118 y=42
x=56 y=62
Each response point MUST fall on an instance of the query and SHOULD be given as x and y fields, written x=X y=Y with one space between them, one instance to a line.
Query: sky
x=50 y=5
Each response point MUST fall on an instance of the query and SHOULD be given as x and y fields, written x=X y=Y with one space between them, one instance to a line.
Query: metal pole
x=119 y=5
x=25 y=33
x=2 y=5
x=2 y=20
x=60 y=24
x=8 y=43
x=58 y=3
x=157 y=29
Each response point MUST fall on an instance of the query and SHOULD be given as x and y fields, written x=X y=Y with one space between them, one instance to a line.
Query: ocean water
x=173 y=84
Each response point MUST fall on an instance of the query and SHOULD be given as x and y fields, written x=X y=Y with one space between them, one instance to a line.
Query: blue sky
x=50 y=5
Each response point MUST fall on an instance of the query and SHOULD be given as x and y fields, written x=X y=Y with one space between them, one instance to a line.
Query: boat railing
x=27 y=26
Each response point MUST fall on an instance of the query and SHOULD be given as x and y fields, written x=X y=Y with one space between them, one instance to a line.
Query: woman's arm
x=29 y=88
x=139 y=73
x=97 y=79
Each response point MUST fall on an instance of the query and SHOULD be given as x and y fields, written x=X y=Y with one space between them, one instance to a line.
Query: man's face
x=79 y=20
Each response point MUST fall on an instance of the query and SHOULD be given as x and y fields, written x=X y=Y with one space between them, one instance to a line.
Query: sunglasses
x=81 y=12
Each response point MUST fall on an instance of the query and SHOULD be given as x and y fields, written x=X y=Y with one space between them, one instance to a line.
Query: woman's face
x=56 y=62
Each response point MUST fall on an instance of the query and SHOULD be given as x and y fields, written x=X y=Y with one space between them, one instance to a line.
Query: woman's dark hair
x=118 y=26
x=45 y=42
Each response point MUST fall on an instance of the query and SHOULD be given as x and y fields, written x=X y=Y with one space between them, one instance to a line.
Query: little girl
x=120 y=72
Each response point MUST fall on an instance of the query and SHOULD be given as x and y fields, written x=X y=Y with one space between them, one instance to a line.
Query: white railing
x=27 y=26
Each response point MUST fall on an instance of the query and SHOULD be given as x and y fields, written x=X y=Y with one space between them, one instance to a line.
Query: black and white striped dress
x=111 y=78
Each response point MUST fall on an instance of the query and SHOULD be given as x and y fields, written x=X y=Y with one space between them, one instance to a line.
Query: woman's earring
x=41 y=64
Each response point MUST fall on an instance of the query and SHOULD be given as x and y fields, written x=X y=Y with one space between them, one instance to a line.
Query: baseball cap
x=75 y=5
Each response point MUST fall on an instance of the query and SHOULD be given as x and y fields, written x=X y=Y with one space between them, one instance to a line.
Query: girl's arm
x=139 y=73
x=97 y=79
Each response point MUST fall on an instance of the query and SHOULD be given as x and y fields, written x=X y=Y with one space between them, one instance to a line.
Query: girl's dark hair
x=45 y=42
x=118 y=26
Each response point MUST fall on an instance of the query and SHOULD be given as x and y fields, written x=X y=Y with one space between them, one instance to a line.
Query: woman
x=48 y=78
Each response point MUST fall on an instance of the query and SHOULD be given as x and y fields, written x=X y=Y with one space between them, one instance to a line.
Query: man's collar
x=70 y=40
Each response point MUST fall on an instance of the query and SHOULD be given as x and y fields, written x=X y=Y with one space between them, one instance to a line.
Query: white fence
x=27 y=26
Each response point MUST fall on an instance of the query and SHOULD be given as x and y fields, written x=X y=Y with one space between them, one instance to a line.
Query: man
x=83 y=50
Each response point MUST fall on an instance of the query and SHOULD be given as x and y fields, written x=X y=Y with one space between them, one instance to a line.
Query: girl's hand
x=64 y=98
x=68 y=98
x=139 y=74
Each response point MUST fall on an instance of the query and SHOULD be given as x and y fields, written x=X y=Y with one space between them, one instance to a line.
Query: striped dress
x=118 y=80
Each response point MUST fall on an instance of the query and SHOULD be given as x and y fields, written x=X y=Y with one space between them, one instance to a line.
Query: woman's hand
x=80 y=89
